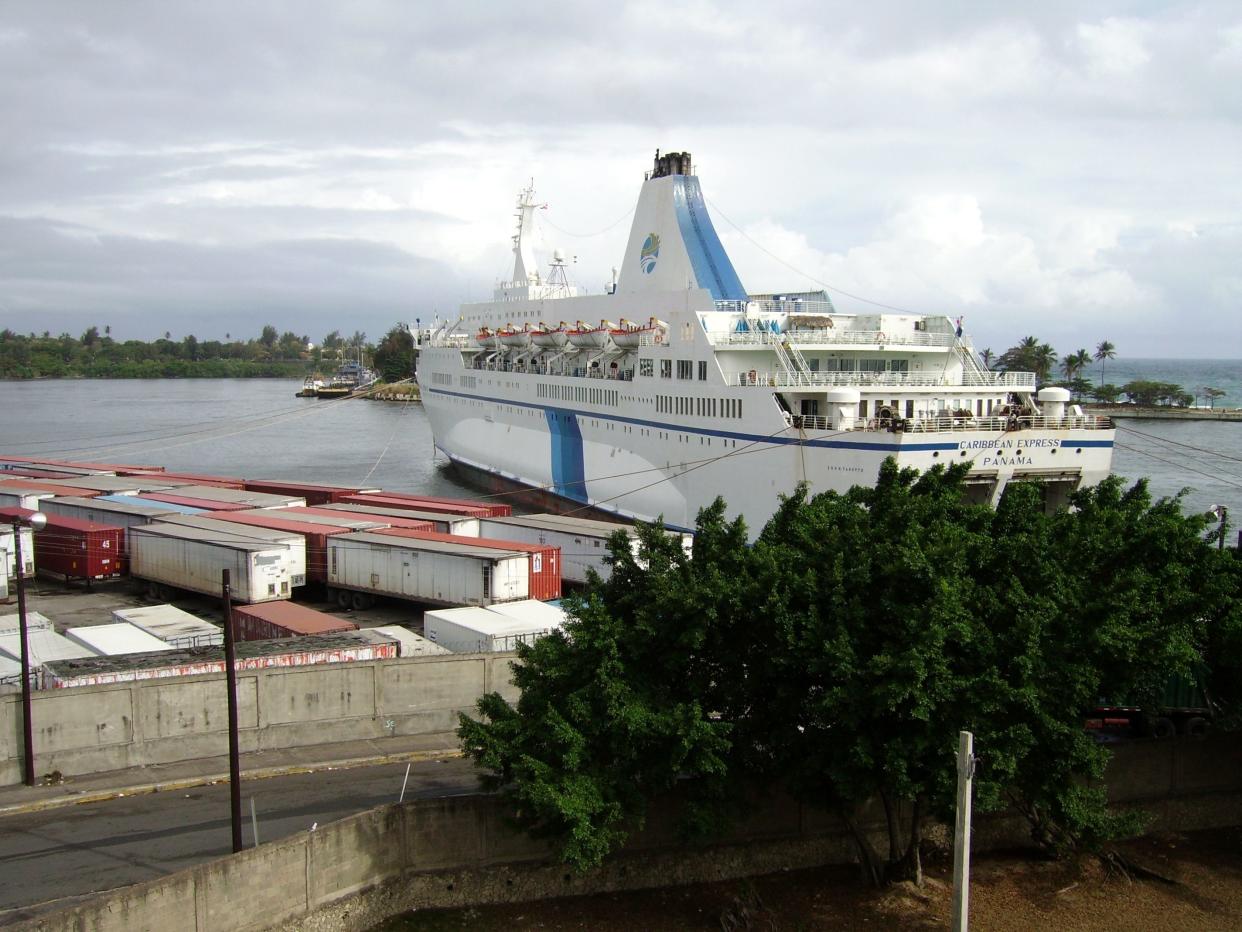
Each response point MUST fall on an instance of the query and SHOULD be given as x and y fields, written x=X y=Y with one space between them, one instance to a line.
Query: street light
x=1219 y=513
x=36 y=522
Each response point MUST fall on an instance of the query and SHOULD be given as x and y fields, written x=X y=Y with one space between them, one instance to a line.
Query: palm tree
x=1075 y=363
x=1044 y=357
x=1103 y=351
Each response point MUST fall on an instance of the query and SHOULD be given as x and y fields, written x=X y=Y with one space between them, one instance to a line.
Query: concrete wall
x=95 y=728
x=458 y=851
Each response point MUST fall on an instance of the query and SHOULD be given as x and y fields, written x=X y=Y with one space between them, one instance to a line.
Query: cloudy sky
x=1073 y=172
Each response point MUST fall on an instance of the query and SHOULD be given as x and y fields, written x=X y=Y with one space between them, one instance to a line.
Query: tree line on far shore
x=97 y=355
x=1032 y=355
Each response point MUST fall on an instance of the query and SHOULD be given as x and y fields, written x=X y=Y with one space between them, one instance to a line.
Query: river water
x=256 y=428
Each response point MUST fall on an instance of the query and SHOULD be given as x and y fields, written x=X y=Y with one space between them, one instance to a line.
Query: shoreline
x=1163 y=412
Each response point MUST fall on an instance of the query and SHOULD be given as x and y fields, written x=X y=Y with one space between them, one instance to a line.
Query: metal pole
x=27 y=718
x=254 y=823
x=1224 y=518
x=230 y=671
x=401 y=798
x=960 y=920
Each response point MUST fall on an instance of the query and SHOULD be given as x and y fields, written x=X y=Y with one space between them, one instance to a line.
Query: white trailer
x=8 y=548
x=119 y=637
x=409 y=644
x=533 y=611
x=213 y=493
x=444 y=523
x=436 y=572
x=474 y=630
x=116 y=485
x=295 y=542
x=118 y=514
x=174 y=627
x=583 y=541
x=169 y=555
x=11 y=496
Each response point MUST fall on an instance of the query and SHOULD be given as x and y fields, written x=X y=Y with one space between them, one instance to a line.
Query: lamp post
x=36 y=522
x=1219 y=513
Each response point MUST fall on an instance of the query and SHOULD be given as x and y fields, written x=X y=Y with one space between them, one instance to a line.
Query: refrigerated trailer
x=169 y=555
x=176 y=628
x=428 y=571
x=291 y=539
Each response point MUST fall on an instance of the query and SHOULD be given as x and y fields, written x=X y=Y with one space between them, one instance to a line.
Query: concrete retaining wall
x=352 y=874
x=97 y=728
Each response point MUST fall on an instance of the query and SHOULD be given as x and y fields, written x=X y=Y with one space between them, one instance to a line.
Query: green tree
x=1029 y=355
x=1106 y=394
x=1211 y=394
x=1103 y=351
x=394 y=357
x=1149 y=392
x=269 y=336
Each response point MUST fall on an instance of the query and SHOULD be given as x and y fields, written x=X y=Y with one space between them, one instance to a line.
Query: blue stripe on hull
x=568 y=467
x=708 y=258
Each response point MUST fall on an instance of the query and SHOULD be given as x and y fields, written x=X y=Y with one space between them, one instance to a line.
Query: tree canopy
x=844 y=650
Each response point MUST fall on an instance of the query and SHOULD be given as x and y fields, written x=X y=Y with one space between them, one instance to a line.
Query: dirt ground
x=1201 y=889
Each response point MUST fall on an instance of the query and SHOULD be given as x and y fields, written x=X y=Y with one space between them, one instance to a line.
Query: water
x=255 y=428
x=1190 y=374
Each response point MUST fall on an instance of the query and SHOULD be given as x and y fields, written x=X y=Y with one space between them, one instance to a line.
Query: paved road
x=59 y=856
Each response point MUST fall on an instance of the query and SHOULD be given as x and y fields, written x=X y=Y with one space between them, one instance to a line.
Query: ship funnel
x=673 y=245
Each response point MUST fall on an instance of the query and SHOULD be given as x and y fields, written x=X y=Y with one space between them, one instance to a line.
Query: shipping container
x=78 y=549
x=462 y=509
x=221 y=482
x=29 y=472
x=116 y=485
x=492 y=508
x=346 y=647
x=194 y=559
x=199 y=504
x=118 y=514
x=29 y=486
x=176 y=628
x=51 y=470
x=8 y=546
x=150 y=503
x=284 y=620
x=410 y=644
x=45 y=646
x=212 y=493
x=479 y=630
x=315 y=493
x=118 y=637
x=364 y=521
x=11 y=673
x=294 y=541
x=26 y=499
x=545 y=561
x=315 y=536
x=330 y=519
x=444 y=523
x=425 y=570
x=35 y=621
x=533 y=611
x=583 y=541
x=113 y=468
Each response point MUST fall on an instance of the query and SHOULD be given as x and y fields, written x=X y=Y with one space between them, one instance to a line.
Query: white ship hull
x=738 y=397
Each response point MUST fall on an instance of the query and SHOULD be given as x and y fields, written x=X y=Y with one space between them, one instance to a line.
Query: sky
x=1071 y=171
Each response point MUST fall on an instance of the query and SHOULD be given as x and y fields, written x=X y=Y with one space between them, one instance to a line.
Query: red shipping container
x=30 y=472
x=37 y=486
x=267 y=620
x=222 y=482
x=316 y=536
x=545 y=561
x=72 y=464
x=74 y=548
x=191 y=502
x=466 y=506
x=414 y=524
x=314 y=493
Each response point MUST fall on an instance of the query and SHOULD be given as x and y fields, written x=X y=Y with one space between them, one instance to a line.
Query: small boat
x=591 y=337
x=630 y=335
x=546 y=337
x=311 y=387
x=486 y=337
x=514 y=337
x=351 y=377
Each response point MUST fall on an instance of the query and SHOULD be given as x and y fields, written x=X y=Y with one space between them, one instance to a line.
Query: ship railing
x=1009 y=381
x=931 y=425
x=796 y=306
x=833 y=336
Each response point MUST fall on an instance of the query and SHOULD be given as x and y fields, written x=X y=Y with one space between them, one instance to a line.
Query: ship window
x=979 y=407
x=813 y=362
x=645 y=367
x=899 y=365
x=685 y=368
x=666 y=368
x=871 y=365
x=909 y=407
x=702 y=370
x=862 y=408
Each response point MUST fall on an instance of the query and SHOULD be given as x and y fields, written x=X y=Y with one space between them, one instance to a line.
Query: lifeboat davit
x=591 y=337
x=630 y=335
x=513 y=336
x=546 y=337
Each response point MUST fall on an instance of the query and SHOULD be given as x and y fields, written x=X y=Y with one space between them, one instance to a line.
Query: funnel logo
x=649 y=253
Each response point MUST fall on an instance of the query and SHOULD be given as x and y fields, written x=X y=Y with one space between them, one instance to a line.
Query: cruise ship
x=674 y=385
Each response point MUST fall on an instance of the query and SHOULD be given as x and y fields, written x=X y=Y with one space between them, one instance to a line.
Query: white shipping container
x=427 y=571
x=444 y=523
x=174 y=627
x=8 y=548
x=295 y=542
x=211 y=493
x=35 y=621
x=119 y=637
x=88 y=509
x=479 y=630
x=533 y=611
x=116 y=485
x=410 y=644
x=45 y=645
x=193 y=559
x=23 y=498
x=10 y=671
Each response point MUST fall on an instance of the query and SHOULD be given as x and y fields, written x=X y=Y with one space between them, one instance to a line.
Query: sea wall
x=459 y=851
x=96 y=728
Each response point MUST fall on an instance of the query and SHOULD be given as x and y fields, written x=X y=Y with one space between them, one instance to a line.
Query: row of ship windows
x=981 y=405
x=699 y=407
x=580 y=393
x=685 y=368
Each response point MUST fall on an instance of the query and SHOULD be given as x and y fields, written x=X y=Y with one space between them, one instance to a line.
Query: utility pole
x=960 y=920
x=230 y=671
x=37 y=522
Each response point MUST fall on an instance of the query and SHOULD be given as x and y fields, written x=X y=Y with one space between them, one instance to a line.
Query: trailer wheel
x=344 y=598
x=1163 y=727
x=362 y=600
x=1197 y=727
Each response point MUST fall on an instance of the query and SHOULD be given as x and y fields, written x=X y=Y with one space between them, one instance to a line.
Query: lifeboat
x=546 y=337
x=591 y=337
x=486 y=337
x=630 y=335
x=514 y=337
